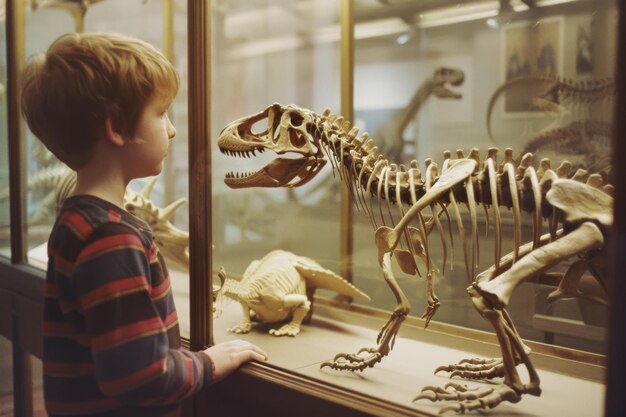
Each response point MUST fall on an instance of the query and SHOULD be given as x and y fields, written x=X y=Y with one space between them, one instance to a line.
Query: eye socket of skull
x=295 y=119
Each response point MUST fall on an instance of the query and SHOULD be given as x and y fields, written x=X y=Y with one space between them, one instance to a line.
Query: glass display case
x=428 y=77
x=423 y=79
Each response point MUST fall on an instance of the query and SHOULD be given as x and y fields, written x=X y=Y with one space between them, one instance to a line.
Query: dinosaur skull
x=444 y=76
x=173 y=243
x=289 y=131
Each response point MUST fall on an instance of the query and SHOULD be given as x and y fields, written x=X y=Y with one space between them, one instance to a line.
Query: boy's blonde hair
x=84 y=78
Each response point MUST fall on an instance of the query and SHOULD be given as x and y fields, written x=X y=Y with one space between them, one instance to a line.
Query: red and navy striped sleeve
x=111 y=337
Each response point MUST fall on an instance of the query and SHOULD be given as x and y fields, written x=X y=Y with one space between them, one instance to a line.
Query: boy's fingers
x=250 y=354
x=247 y=346
x=256 y=352
x=259 y=351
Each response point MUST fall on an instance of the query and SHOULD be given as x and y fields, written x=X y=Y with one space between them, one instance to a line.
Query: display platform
x=408 y=368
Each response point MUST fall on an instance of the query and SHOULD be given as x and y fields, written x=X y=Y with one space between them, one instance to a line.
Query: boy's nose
x=171 y=130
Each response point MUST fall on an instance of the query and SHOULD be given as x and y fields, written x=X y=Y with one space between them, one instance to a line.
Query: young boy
x=111 y=338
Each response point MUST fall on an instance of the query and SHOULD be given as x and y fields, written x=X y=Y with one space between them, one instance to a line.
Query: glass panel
x=144 y=20
x=264 y=53
x=43 y=170
x=441 y=65
x=5 y=217
x=425 y=74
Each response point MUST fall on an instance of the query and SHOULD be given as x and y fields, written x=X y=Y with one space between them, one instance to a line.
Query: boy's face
x=149 y=145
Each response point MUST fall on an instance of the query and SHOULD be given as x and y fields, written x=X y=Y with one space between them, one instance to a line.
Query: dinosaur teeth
x=248 y=153
x=239 y=174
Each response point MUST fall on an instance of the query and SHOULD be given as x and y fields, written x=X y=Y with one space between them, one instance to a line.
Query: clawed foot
x=354 y=362
x=475 y=368
x=468 y=399
x=241 y=328
x=430 y=312
x=286 y=330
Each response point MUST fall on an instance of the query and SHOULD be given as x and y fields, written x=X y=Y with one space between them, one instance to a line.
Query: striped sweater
x=111 y=342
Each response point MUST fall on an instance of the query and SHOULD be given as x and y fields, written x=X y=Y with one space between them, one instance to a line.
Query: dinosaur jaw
x=444 y=92
x=444 y=79
x=281 y=172
x=287 y=131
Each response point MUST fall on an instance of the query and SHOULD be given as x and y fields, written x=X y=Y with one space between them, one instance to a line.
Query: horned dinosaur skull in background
x=288 y=132
x=173 y=242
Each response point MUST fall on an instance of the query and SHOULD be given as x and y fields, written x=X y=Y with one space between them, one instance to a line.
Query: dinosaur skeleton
x=557 y=92
x=390 y=137
x=584 y=210
x=43 y=180
x=281 y=286
x=587 y=142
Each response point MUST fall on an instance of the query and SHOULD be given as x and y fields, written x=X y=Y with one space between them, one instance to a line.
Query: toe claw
x=427 y=395
x=456 y=373
x=442 y=368
x=456 y=387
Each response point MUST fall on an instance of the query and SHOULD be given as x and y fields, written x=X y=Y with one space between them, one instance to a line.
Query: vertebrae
x=515 y=185
x=359 y=164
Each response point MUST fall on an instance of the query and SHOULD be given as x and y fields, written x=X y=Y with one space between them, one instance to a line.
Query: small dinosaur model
x=280 y=287
x=580 y=202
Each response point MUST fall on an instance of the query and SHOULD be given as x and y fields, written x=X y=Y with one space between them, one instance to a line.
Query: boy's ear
x=111 y=135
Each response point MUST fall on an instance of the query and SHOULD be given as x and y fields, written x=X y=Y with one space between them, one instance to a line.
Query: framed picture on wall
x=530 y=49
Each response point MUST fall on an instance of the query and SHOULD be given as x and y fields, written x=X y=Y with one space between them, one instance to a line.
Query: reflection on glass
x=478 y=76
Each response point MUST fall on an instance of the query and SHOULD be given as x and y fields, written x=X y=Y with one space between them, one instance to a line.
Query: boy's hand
x=228 y=356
